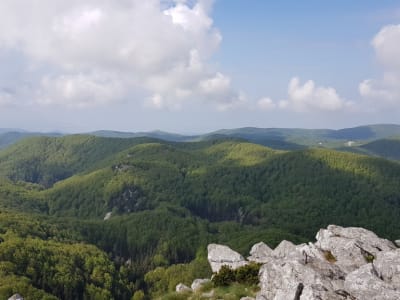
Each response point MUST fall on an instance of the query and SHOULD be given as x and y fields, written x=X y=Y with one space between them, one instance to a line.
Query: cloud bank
x=99 y=51
x=384 y=93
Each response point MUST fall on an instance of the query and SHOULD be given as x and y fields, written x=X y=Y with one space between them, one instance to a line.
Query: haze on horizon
x=193 y=66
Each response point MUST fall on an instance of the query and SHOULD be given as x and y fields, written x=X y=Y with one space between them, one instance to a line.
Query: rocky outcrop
x=260 y=253
x=352 y=247
x=198 y=283
x=220 y=255
x=343 y=264
x=16 y=297
x=181 y=288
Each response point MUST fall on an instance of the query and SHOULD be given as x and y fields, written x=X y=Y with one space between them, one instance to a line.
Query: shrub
x=224 y=277
x=247 y=274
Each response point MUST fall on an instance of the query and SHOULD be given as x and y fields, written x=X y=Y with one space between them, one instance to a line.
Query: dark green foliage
x=168 y=200
x=247 y=275
x=225 y=276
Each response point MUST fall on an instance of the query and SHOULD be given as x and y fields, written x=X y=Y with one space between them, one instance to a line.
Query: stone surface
x=282 y=279
x=181 y=288
x=397 y=242
x=247 y=298
x=352 y=247
x=343 y=264
x=364 y=283
x=107 y=216
x=198 y=283
x=260 y=253
x=387 y=267
x=220 y=255
x=16 y=297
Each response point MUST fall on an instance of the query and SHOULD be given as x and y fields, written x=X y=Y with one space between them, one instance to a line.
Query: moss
x=369 y=258
x=330 y=257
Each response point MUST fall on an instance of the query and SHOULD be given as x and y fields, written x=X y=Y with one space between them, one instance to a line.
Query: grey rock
x=247 y=298
x=220 y=255
x=351 y=246
x=387 y=266
x=198 y=283
x=284 y=249
x=282 y=279
x=260 y=253
x=397 y=242
x=364 y=283
x=107 y=216
x=181 y=288
x=16 y=297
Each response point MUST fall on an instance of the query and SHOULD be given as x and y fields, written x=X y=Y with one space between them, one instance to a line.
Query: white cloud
x=387 y=46
x=266 y=104
x=307 y=97
x=163 y=46
x=217 y=85
x=80 y=90
x=385 y=92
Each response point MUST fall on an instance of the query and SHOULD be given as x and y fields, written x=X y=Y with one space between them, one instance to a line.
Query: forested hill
x=167 y=201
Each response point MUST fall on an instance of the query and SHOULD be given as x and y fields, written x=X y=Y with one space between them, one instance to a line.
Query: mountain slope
x=168 y=200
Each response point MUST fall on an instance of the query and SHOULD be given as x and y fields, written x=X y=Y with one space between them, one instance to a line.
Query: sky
x=194 y=66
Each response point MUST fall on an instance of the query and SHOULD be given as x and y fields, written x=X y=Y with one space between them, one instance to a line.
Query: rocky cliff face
x=344 y=263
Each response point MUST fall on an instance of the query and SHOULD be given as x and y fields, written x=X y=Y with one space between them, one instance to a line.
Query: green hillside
x=168 y=200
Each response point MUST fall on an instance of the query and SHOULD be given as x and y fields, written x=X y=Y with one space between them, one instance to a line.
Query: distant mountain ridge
x=353 y=139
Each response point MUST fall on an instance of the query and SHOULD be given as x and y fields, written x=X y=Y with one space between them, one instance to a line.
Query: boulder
x=260 y=253
x=284 y=249
x=364 y=283
x=107 y=216
x=181 y=288
x=220 y=255
x=198 y=283
x=351 y=247
x=16 y=297
x=397 y=242
x=387 y=267
x=284 y=279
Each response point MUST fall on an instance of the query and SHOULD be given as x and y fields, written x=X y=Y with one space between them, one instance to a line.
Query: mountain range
x=134 y=214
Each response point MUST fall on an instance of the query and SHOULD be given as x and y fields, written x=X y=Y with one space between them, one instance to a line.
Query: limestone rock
x=352 y=247
x=387 y=266
x=181 y=288
x=397 y=242
x=283 y=279
x=260 y=253
x=198 y=283
x=16 y=297
x=247 y=298
x=364 y=283
x=284 y=249
x=220 y=255
x=107 y=216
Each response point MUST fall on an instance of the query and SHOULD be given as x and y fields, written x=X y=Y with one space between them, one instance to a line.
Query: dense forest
x=164 y=202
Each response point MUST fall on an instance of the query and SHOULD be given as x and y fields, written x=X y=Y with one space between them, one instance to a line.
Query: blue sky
x=198 y=65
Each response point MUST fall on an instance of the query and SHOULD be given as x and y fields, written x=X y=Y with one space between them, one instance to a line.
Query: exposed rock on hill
x=219 y=255
x=343 y=264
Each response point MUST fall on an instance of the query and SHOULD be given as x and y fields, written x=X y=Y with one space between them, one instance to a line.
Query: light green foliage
x=171 y=199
